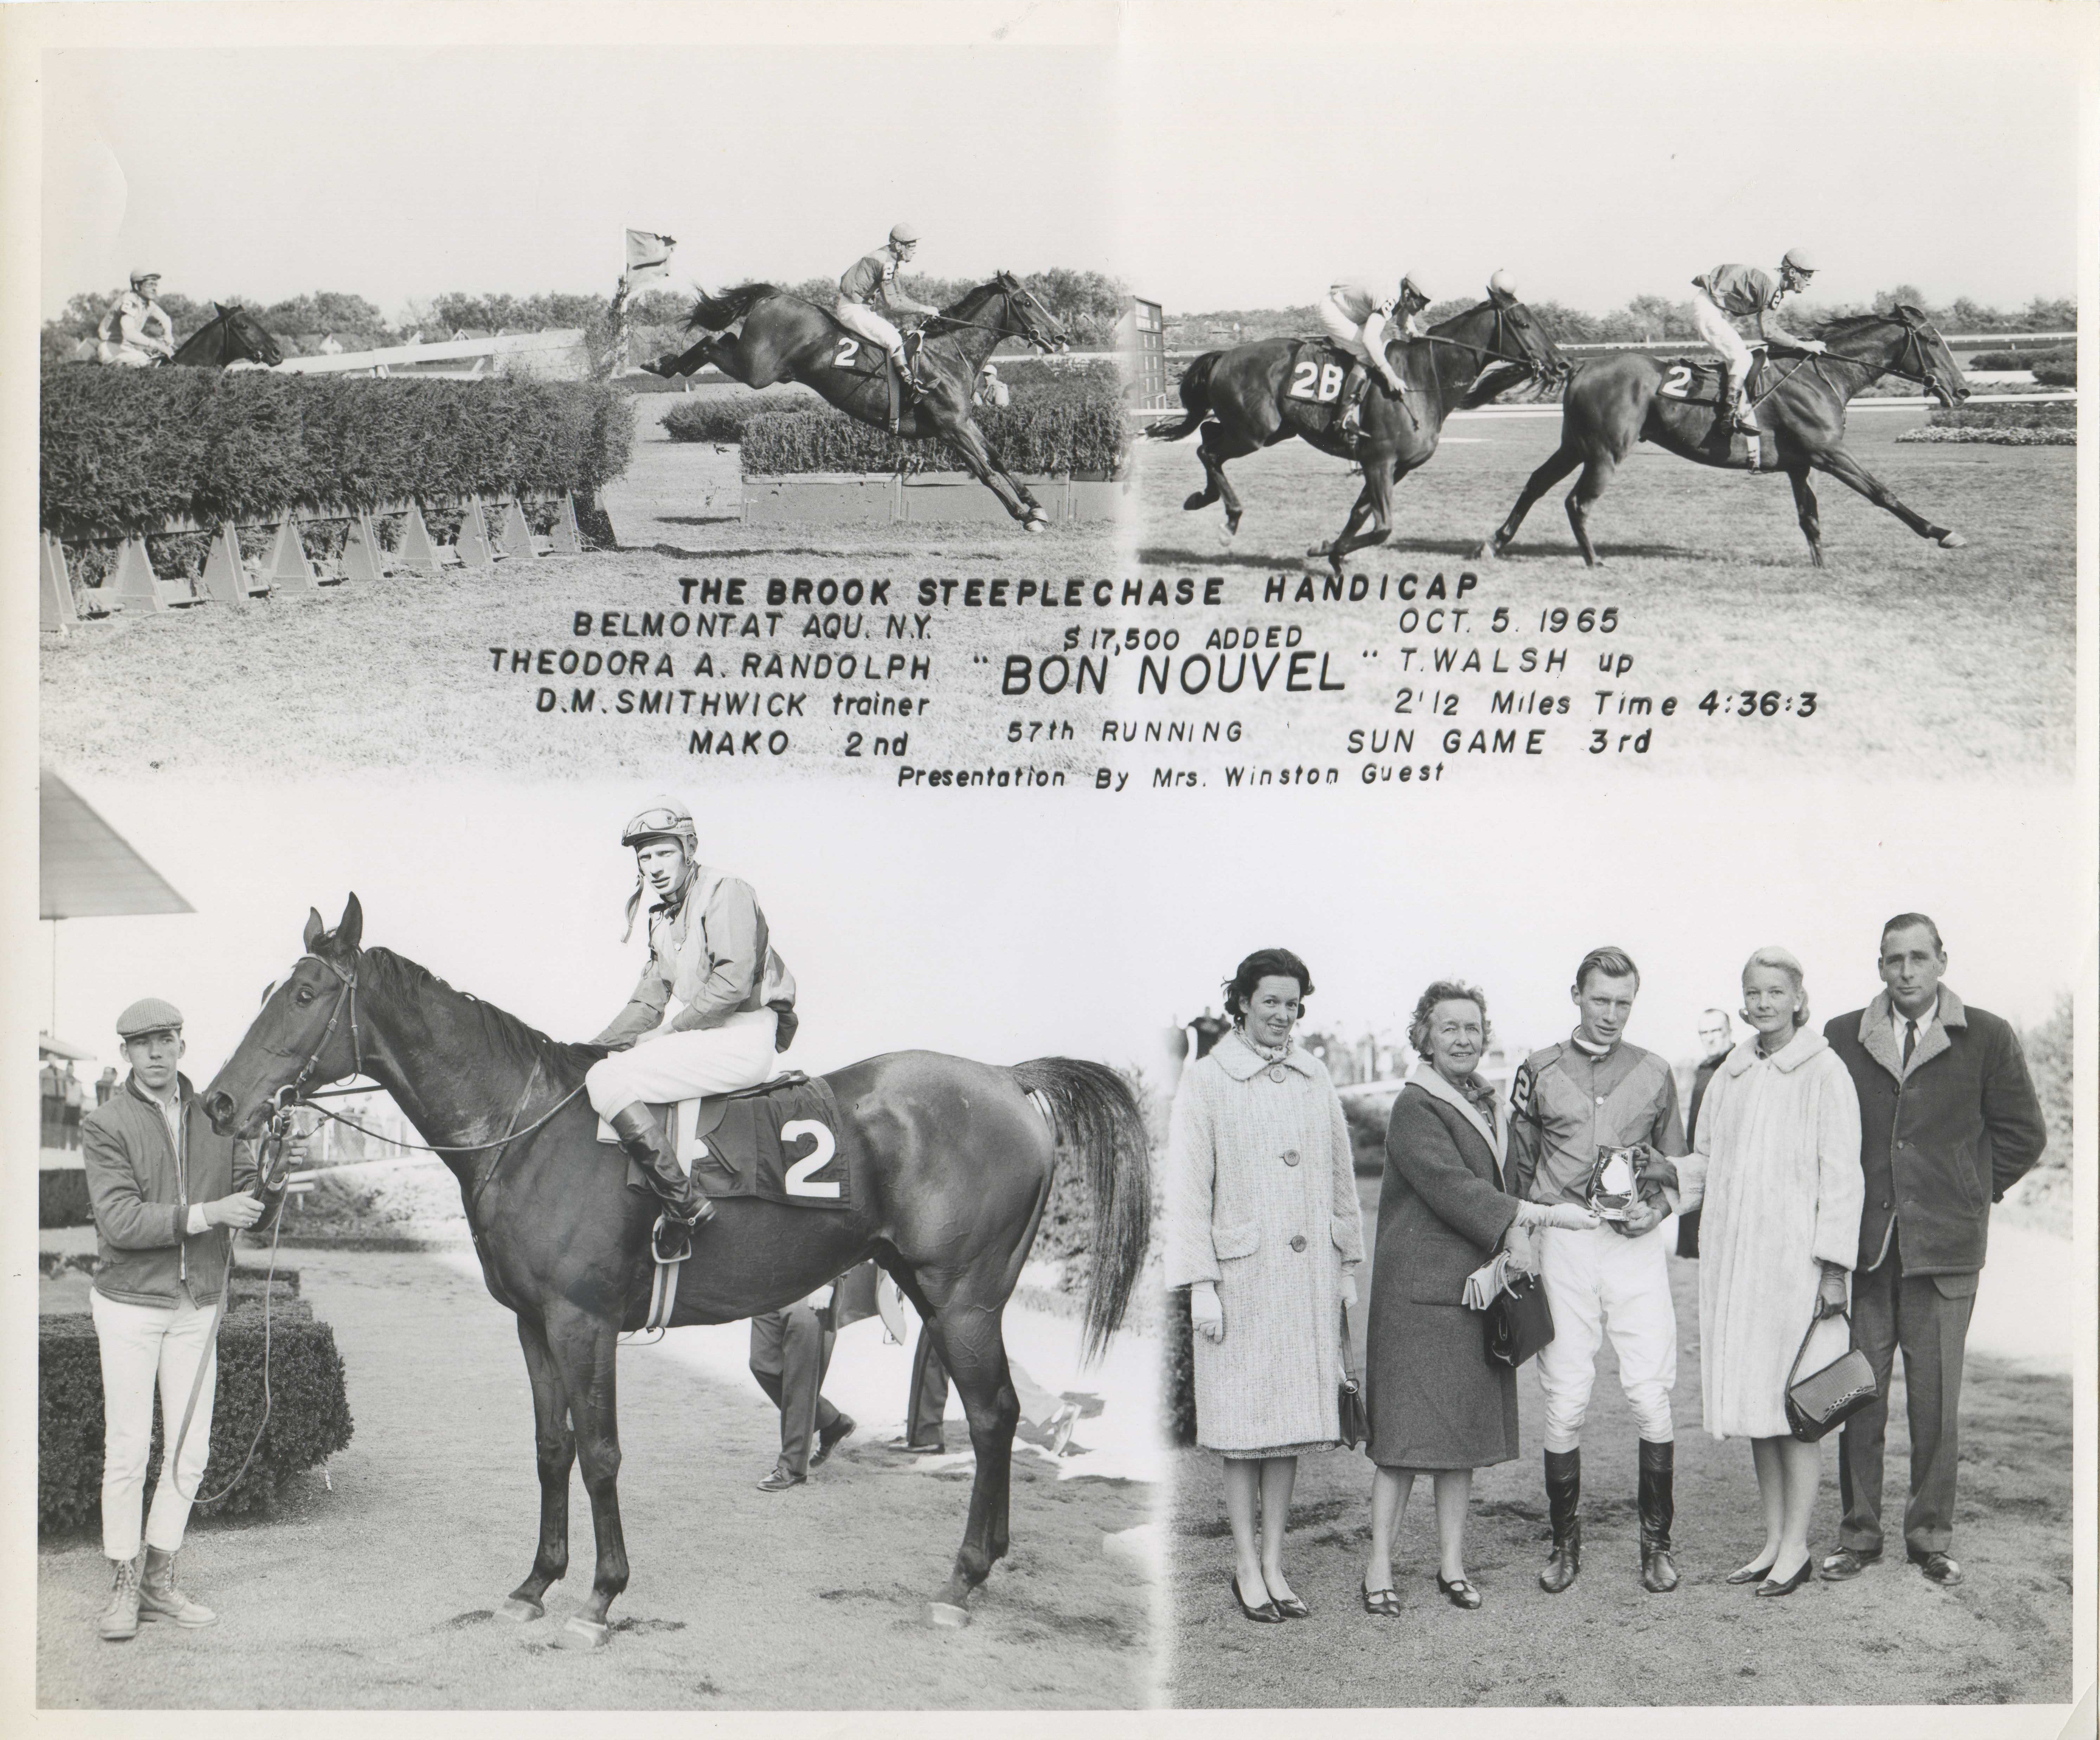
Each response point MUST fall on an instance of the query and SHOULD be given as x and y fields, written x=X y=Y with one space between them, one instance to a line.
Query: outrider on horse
x=1799 y=404
x=1254 y=395
x=951 y=1162
x=784 y=338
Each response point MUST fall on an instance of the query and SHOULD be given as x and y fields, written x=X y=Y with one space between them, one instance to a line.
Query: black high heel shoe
x=1459 y=1593
x=1266 y=1614
x=1751 y=1573
x=1774 y=1586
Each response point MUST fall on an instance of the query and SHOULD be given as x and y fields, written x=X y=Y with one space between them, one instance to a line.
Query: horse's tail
x=1097 y=1115
x=1195 y=399
x=716 y=313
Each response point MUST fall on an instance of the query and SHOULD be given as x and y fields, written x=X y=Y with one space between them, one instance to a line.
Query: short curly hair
x=1264 y=963
x=1445 y=990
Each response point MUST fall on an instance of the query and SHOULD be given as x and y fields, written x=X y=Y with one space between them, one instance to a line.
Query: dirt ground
x=1891 y=1637
x=1936 y=663
x=379 y=1587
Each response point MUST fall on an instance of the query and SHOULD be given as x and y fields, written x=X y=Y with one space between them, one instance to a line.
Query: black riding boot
x=1354 y=386
x=685 y=1204
x=1658 y=1509
x=1564 y=1499
x=1736 y=397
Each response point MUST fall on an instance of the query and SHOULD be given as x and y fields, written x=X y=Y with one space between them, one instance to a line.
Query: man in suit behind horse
x=1948 y=1123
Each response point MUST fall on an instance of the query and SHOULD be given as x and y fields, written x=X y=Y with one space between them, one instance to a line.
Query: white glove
x=1565 y=1215
x=1517 y=1247
x=1204 y=1313
x=1349 y=1287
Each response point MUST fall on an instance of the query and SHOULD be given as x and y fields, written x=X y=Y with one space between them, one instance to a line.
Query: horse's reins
x=1489 y=351
x=271 y=1177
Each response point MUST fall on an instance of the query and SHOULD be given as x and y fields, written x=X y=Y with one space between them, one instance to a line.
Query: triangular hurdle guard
x=55 y=610
x=289 y=569
x=225 y=578
x=417 y=554
x=131 y=583
x=361 y=549
x=516 y=537
x=474 y=547
x=568 y=540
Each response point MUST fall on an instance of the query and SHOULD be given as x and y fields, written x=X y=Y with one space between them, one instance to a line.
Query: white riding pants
x=143 y=1345
x=1597 y=1282
x=665 y=1066
x=857 y=318
x=123 y=354
x=1718 y=330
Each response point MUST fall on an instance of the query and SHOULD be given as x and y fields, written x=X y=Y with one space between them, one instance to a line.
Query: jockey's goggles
x=662 y=821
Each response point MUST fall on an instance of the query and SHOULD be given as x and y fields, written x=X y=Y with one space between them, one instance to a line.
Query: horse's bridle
x=1492 y=349
x=1040 y=344
x=1913 y=340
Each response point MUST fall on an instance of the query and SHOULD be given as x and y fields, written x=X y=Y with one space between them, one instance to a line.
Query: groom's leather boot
x=1563 y=1499
x=1658 y=1509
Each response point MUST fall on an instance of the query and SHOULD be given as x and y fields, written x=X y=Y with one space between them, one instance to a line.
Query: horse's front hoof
x=1232 y=523
x=1487 y=550
x=1953 y=540
x=947 y=1616
x=1197 y=500
x=1319 y=549
x=523 y=1612
x=580 y=1633
x=1035 y=523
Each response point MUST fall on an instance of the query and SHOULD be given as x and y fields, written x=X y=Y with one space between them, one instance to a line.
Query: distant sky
x=1003 y=928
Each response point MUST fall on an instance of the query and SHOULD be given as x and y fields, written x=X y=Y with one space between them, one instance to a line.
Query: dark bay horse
x=232 y=335
x=1614 y=401
x=785 y=338
x=950 y=1161
x=1254 y=395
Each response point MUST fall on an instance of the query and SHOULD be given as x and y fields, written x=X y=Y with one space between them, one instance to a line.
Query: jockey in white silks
x=1357 y=319
x=1728 y=293
x=709 y=951
x=125 y=335
x=872 y=279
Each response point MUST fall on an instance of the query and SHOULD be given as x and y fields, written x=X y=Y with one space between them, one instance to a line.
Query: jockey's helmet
x=1798 y=260
x=666 y=818
x=903 y=235
x=1502 y=285
x=1412 y=293
x=140 y=280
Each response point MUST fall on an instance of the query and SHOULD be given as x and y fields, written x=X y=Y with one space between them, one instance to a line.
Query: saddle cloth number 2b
x=1315 y=381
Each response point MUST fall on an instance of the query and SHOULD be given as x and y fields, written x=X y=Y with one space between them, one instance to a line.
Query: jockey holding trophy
x=708 y=951
x=1728 y=293
x=872 y=279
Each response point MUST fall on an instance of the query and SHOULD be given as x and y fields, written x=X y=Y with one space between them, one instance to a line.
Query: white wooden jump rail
x=558 y=353
x=287 y=570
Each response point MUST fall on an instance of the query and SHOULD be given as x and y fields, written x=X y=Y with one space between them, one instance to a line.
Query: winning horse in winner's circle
x=1254 y=395
x=951 y=1164
x=785 y=338
x=1613 y=401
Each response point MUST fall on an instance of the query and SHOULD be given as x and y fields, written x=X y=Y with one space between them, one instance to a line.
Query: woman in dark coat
x=1437 y=1405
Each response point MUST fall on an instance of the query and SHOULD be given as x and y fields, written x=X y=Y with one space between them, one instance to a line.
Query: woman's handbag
x=1824 y=1400
x=1519 y=1321
x=1355 y=1416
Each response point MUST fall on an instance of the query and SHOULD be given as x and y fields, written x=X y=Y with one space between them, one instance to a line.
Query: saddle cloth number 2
x=799 y=1179
x=1678 y=385
x=1315 y=381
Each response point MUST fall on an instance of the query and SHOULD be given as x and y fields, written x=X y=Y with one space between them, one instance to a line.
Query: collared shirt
x=171 y=1114
x=1897 y=1021
x=132 y=318
x=1360 y=303
x=1568 y=1101
x=1741 y=289
x=869 y=279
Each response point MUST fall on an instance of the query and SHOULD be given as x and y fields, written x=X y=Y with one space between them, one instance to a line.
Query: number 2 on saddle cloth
x=778 y=1142
x=1688 y=383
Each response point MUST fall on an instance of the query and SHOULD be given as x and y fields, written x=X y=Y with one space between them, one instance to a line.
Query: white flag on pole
x=648 y=257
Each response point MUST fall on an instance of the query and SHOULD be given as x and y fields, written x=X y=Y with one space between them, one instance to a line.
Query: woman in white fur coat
x=1777 y=1169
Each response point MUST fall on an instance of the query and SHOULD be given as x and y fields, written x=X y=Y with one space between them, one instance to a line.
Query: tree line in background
x=1645 y=319
x=1088 y=303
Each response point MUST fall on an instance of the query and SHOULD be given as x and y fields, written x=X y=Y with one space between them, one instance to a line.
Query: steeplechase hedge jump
x=252 y=476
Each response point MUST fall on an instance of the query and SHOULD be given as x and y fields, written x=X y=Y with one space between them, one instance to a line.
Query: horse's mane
x=510 y=1039
x=972 y=299
x=1848 y=325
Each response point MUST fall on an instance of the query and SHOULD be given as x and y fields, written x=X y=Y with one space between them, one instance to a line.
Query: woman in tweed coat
x=1262 y=1228
x=1778 y=1171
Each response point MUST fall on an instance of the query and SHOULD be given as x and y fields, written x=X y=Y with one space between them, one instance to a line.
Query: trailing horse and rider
x=935 y=1168
x=856 y=359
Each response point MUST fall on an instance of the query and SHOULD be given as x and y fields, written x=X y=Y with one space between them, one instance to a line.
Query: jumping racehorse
x=950 y=1163
x=233 y=335
x=785 y=338
x=1254 y=395
x=1800 y=406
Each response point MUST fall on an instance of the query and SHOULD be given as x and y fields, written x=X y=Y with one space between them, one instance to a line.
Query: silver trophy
x=1614 y=1183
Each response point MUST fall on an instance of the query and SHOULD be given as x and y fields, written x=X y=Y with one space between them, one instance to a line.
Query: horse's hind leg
x=556 y=1441
x=1597 y=471
x=584 y=1347
x=1563 y=460
x=968 y=1338
x=1804 y=507
x=1848 y=470
x=1216 y=447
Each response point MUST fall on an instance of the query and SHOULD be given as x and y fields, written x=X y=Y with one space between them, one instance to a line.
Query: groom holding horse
x=709 y=950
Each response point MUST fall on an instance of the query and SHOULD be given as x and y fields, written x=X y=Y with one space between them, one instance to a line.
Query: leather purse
x=1355 y=1416
x=1519 y=1322
x=1824 y=1400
